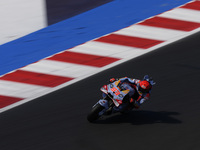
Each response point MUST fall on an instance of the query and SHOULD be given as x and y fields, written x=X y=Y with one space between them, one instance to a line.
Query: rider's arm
x=116 y=79
x=133 y=81
x=141 y=100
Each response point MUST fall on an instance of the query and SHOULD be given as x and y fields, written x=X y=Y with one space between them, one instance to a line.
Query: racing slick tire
x=94 y=114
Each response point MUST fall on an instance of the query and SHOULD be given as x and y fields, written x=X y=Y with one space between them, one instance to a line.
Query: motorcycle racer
x=139 y=92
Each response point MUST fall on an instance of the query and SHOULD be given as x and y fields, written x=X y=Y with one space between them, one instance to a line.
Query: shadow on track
x=141 y=117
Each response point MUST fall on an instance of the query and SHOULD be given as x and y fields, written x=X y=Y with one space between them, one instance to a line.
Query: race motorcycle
x=113 y=95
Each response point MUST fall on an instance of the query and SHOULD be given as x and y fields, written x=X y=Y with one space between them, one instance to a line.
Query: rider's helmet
x=143 y=87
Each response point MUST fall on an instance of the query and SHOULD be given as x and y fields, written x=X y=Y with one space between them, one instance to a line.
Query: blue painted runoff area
x=79 y=29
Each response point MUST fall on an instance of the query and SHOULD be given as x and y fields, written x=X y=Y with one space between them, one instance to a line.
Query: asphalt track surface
x=170 y=120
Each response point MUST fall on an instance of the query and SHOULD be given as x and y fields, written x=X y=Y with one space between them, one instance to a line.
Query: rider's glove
x=112 y=80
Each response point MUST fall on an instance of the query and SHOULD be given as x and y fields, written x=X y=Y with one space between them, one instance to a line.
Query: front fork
x=103 y=103
x=106 y=102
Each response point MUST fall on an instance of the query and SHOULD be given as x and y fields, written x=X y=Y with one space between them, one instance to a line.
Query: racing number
x=116 y=91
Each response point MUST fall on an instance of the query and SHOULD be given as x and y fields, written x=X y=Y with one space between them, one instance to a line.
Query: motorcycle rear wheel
x=94 y=114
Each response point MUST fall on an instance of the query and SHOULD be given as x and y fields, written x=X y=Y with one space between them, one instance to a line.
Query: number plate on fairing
x=117 y=94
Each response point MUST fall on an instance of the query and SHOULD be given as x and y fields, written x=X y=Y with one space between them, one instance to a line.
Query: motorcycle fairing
x=117 y=94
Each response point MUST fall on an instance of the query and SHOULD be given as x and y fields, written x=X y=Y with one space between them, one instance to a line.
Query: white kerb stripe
x=148 y=32
x=183 y=14
x=20 y=90
x=60 y=68
x=105 y=49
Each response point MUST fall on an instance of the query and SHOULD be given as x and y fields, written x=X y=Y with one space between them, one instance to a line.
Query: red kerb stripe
x=194 y=5
x=35 y=78
x=129 y=41
x=83 y=59
x=171 y=24
x=7 y=100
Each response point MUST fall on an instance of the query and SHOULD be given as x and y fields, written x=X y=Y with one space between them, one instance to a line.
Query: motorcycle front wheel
x=94 y=114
